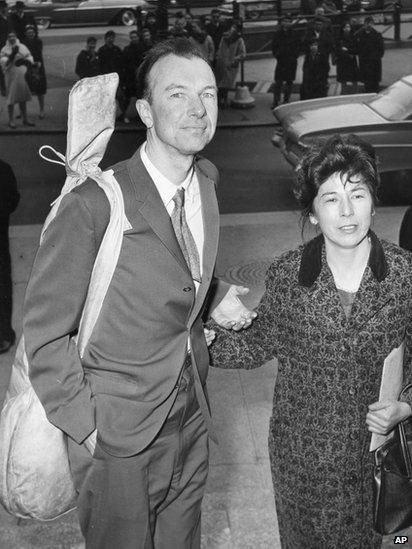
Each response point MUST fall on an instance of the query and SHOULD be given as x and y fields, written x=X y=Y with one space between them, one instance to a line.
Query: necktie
x=184 y=236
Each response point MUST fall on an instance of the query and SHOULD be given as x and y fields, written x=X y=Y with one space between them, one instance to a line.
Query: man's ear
x=145 y=112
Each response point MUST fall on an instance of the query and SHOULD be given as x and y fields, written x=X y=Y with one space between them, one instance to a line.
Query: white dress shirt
x=193 y=204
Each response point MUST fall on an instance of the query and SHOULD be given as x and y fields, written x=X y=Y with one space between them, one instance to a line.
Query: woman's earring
x=313 y=220
x=373 y=212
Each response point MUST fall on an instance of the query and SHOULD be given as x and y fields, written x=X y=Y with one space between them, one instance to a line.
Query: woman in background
x=14 y=59
x=346 y=61
x=231 y=52
x=36 y=74
x=333 y=310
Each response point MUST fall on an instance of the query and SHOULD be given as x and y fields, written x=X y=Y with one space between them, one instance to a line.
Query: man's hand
x=90 y=442
x=231 y=313
x=383 y=416
x=209 y=335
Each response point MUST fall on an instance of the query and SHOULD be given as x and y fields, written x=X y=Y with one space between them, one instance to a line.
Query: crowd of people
x=22 y=72
x=356 y=51
x=219 y=41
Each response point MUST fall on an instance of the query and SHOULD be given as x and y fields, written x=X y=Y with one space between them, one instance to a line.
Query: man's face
x=134 y=38
x=318 y=26
x=109 y=40
x=91 y=46
x=146 y=36
x=182 y=112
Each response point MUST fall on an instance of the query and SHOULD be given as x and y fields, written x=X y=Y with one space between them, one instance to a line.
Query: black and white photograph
x=205 y=274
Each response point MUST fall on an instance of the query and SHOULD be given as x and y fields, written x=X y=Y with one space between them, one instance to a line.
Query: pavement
x=238 y=510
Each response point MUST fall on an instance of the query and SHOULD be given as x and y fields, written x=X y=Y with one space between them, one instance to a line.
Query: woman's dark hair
x=344 y=154
x=181 y=47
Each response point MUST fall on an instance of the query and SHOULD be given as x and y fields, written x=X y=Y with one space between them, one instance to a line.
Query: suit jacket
x=125 y=383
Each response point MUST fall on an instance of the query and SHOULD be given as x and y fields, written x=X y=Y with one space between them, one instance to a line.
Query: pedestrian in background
x=405 y=233
x=231 y=52
x=315 y=73
x=36 y=73
x=87 y=62
x=150 y=23
x=19 y=20
x=203 y=42
x=286 y=50
x=9 y=199
x=131 y=60
x=370 y=51
x=320 y=31
x=4 y=31
x=345 y=57
x=332 y=311
x=215 y=29
x=111 y=60
x=14 y=59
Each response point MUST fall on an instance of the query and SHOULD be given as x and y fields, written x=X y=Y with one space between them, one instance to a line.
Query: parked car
x=84 y=12
x=384 y=119
x=263 y=9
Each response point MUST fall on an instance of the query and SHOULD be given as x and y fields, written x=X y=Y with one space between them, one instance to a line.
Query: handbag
x=35 y=479
x=393 y=480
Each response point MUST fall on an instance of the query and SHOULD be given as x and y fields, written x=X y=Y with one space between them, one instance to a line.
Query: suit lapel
x=151 y=207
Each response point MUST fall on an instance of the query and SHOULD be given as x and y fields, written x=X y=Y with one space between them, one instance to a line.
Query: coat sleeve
x=54 y=300
x=254 y=346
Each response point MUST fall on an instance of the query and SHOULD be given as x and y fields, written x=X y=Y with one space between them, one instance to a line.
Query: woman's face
x=343 y=209
x=30 y=34
x=347 y=28
x=12 y=38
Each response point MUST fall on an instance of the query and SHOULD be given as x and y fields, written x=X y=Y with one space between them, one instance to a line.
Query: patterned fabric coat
x=329 y=371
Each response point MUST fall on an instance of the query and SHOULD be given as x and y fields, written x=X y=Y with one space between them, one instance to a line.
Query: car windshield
x=394 y=102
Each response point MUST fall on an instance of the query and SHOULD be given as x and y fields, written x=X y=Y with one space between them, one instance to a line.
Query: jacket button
x=187 y=289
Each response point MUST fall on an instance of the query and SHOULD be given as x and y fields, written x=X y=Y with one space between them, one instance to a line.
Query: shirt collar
x=165 y=187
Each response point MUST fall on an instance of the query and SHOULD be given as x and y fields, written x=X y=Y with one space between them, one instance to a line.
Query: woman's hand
x=209 y=335
x=383 y=416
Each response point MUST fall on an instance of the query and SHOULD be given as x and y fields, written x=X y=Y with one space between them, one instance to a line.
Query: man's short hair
x=91 y=39
x=181 y=47
x=109 y=33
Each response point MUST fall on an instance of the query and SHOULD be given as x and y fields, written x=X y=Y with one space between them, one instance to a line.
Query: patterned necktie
x=184 y=236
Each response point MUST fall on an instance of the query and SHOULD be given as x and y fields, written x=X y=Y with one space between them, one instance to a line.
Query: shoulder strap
x=107 y=256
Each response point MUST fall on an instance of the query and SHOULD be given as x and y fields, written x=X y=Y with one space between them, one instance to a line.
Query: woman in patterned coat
x=332 y=312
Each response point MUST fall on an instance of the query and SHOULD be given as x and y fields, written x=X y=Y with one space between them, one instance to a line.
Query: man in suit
x=137 y=400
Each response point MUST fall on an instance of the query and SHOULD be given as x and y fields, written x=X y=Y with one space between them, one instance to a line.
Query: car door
x=90 y=12
x=64 y=12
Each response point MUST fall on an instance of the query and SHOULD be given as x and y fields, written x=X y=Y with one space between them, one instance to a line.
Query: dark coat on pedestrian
x=329 y=371
x=215 y=31
x=87 y=64
x=4 y=30
x=346 y=61
x=110 y=59
x=370 y=50
x=315 y=76
x=132 y=57
x=405 y=232
x=286 y=50
x=9 y=199
x=38 y=82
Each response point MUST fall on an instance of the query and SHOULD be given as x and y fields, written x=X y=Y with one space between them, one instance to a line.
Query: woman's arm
x=254 y=346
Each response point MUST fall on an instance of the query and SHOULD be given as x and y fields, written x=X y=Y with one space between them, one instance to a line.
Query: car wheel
x=43 y=23
x=127 y=18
